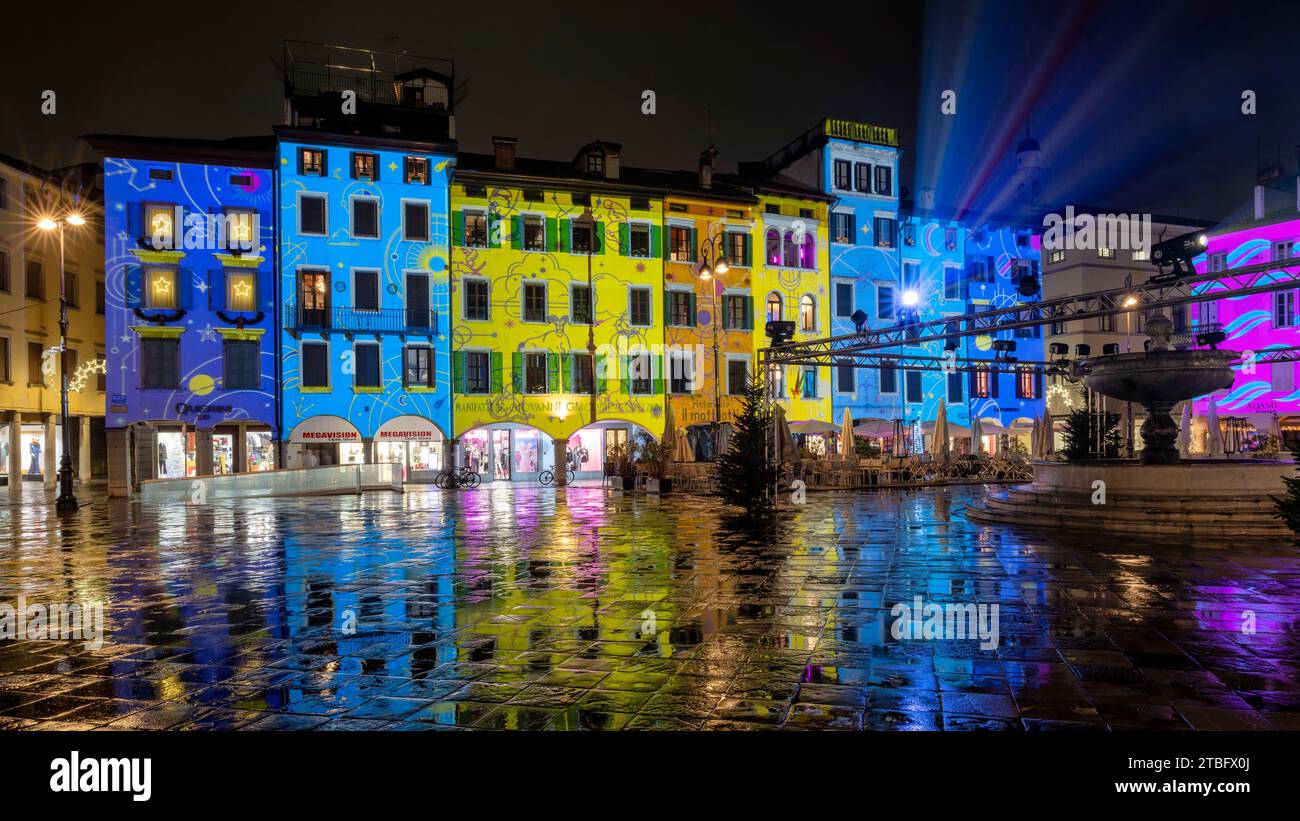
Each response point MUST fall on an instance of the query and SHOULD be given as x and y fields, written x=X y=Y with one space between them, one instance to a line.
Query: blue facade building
x=365 y=344
x=190 y=306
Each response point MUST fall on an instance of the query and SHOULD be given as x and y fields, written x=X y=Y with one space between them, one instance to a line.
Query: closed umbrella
x=670 y=431
x=846 y=436
x=1049 y=443
x=1036 y=440
x=1185 y=432
x=1275 y=429
x=785 y=449
x=684 y=444
x=976 y=435
x=1215 y=442
x=724 y=437
x=940 y=443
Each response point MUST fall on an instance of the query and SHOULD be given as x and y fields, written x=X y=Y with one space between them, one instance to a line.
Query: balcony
x=349 y=321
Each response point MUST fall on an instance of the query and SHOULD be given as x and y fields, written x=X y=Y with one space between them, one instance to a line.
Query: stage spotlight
x=1059 y=349
x=1027 y=286
x=1110 y=349
x=1082 y=349
x=1212 y=339
x=859 y=320
x=950 y=345
x=910 y=298
x=1177 y=254
x=780 y=331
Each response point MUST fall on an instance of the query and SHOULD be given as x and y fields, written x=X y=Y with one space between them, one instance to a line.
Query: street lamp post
x=713 y=260
x=1129 y=303
x=67 y=500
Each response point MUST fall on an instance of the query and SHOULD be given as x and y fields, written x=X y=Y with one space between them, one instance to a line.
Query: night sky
x=1137 y=105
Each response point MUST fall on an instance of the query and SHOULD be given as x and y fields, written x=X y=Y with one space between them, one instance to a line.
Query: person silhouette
x=34 y=469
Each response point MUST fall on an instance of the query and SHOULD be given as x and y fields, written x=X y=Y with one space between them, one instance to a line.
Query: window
x=951 y=283
x=161 y=222
x=476 y=299
x=791 y=250
x=6 y=374
x=679 y=244
x=311 y=162
x=886 y=232
x=417 y=368
x=738 y=248
x=735 y=314
x=35 y=355
x=773 y=247
x=534 y=302
x=638 y=236
x=595 y=162
x=809 y=383
x=681 y=372
x=808 y=251
x=240 y=359
x=417 y=170
x=889 y=380
x=737 y=376
x=884 y=302
x=70 y=283
x=844 y=379
x=4 y=194
x=580 y=199
x=365 y=290
x=1282 y=376
x=642 y=384
x=162 y=364
x=863 y=177
x=1058 y=329
x=582 y=235
x=1283 y=250
x=776 y=379
x=884 y=180
x=311 y=214
x=101 y=296
x=1106 y=322
x=955 y=388
x=580 y=304
x=1141 y=256
x=1026 y=383
x=364 y=166
x=415 y=221
x=584 y=374
x=981 y=384
x=535 y=373
x=771 y=208
x=477 y=379
x=911 y=276
x=807 y=313
x=981 y=269
x=476 y=191
x=239 y=225
x=1218 y=262
x=844 y=299
x=842 y=227
x=912 y=383
x=639 y=204
x=534 y=233
x=1106 y=253
x=843 y=172
x=315 y=365
x=680 y=312
x=1207 y=313
x=1057 y=256
x=1283 y=309
x=101 y=373
x=773 y=307
x=639 y=307
x=241 y=291
x=365 y=217
x=160 y=290
x=533 y=195
x=5 y=284
x=476 y=229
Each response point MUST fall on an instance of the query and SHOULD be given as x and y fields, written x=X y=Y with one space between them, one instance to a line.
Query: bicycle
x=458 y=478
x=547 y=477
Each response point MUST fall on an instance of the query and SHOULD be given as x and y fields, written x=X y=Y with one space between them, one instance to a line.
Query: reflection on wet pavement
x=531 y=609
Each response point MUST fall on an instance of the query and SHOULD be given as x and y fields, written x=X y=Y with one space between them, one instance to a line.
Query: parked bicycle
x=547 y=477
x=457 y=477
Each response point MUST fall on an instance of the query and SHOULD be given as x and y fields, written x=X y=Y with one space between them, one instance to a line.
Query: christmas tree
x=746 y=472
x=1288 y=507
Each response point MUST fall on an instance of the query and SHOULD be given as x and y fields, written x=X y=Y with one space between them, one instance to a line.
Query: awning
x=324 y=429
x=408 y=428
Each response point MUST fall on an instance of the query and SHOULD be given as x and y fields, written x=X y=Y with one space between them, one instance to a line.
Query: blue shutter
x=217 y=289
x=185 y=288
x=266 y=301
x=134 y=286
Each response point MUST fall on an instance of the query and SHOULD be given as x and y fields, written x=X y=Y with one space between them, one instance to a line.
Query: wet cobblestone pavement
x=531 y=608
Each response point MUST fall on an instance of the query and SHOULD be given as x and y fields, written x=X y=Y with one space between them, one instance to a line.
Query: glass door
x=313 y=299
x=501 y=455
x=418 y=315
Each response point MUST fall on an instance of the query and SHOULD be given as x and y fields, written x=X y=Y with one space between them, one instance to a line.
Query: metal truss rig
x=1251 y=279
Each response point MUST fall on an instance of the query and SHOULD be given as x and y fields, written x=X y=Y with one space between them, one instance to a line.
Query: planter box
x=659 y=485
x=622 y=482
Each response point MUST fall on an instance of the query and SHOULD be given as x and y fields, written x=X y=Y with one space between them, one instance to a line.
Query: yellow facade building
x=31 y=436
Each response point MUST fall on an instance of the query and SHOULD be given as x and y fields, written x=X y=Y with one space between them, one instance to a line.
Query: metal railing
x=349 y=320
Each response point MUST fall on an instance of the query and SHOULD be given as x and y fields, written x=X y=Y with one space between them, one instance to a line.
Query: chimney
x=611 y=161
x=1259 y=202
x=706 y=166
x=925 y=199
x=503 y=153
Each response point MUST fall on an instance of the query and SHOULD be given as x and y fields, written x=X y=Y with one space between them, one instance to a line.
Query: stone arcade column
x=83 y=452
x=368 y=450
x=15 y=453
x=560 y=446
x=449 y=453
x=49 y=456
x=146 y=454
x=119 y=461
x=203 y=451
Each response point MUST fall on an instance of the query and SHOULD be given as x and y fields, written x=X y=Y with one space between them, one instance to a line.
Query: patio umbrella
x=1185 y=432
x=670 y=431
x=954 y=430
x=1036 y=441
x=805 y=427
x=846 y=436
x=976 y=435
x=874 y=428
x=940 y=441
x=1215 y=443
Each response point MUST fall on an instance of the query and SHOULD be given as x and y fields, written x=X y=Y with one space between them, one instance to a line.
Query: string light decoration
x=1060 y=392
x=84 y=372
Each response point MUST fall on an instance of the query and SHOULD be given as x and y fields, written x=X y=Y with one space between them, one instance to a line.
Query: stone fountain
x=1210 y=499
x=1158 y=379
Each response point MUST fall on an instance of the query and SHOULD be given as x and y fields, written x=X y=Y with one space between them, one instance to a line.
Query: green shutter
x=668 y=307
x=566 y=239
x=494 y=360
x=724 y=320
x=691 y=238
x=657 y=374
x=458 y=372
x=517 y=232
x=600 y=374
x=625 y=239
x=657 y=241
x=552 y=234
x=566 y=372
x=749 y=250
x=494 y=229
x=458 y=228
x=749 y=312
x=553 y=373
x=665 y=241
x=517 y=371
x=598 y=239
x=691 y=319
x=626 y=375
